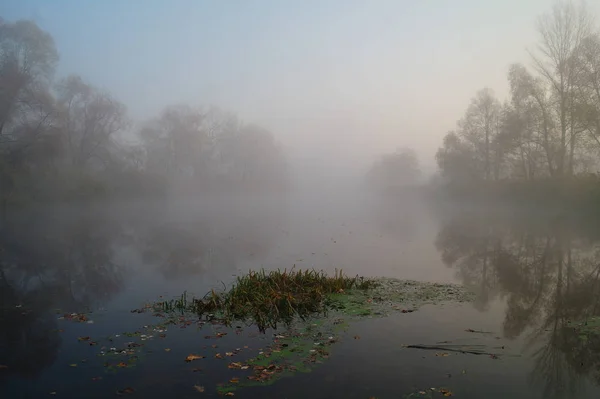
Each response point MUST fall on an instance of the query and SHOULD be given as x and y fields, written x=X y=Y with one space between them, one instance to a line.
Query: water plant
x=268 y=298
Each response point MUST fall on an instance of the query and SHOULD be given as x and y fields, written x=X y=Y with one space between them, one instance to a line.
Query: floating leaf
x=218 y=356
x=83 y=338
x=234 y=380
x=73 y=364
x=229 y=394
x=443 y=354
x=445 y=392
x=167 y=349
x=189 y=358
x=122 y=364
x=127 y=390
x=228 y=353
x=199 y=388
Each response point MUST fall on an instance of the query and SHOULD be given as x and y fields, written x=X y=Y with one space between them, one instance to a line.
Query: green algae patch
x=315 y=311
x=310 y=342
x=387 y=295
x=587 y=328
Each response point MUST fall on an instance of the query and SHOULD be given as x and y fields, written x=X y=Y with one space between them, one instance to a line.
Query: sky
x=339 y=82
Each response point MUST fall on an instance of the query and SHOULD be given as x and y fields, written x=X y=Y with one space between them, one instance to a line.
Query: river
x=533 y=277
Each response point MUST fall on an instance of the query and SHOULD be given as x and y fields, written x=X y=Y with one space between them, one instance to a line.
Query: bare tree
x=562 y=33
x=89 y=120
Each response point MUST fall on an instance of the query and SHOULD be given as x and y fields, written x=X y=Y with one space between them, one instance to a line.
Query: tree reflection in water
x=549 y=275
x=50 y=261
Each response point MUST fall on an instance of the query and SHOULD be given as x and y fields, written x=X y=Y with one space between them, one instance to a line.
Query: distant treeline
x=542 y=144
x=64 y=139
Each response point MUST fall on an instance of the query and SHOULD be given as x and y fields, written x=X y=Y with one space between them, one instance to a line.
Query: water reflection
x=71 y=260
x=548 y=274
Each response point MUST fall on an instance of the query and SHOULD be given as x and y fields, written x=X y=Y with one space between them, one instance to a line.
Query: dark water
x=532 y=275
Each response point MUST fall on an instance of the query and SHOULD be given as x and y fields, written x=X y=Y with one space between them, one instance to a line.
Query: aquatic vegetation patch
x=268 y=298
x=587 y=328
x=314 y=308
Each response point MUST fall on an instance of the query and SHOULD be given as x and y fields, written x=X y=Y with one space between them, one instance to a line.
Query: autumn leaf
x=444 y=354
x=122 y=364
x=234 y=380
x=83 y=338
x=228 y=353
x=73 y=364
x=127 y=390
x=229 y=394
x=167 y=349
x=235 y=365
x=218 y=356
x=189 y=358
x=199 y=388
x=445 y=392
x=245 y=367
x=221 y=334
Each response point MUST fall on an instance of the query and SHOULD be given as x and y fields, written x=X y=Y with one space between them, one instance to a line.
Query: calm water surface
x=532 y=276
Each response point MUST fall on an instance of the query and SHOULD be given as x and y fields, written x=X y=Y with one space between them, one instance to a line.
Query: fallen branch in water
x=450 y=349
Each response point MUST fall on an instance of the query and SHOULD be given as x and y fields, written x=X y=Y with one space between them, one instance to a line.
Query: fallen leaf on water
x=218 y=356
x=234 y=380
x=444 y=354
x=221 y=334
x=167 y=349
x=122 y=364
x=228 y=353
x=199 y=388
x=229 y=394
x=83 y=338
x=214 y=346
x=127 y=390
x=73 y=364
x=235 y=365
x=245 y=367
x=189 y=358
x=445 y=392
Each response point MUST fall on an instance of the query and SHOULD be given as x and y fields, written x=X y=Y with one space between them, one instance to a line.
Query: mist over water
x=152 y=151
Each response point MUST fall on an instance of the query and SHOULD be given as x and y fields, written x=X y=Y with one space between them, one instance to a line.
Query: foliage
x=399 y=168
x=65 y=139
x=550 y=125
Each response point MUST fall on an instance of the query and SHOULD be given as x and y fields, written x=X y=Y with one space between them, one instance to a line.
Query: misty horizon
x=322 y=76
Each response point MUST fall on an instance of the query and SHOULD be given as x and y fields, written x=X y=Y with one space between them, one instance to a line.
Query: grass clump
x=270 y=297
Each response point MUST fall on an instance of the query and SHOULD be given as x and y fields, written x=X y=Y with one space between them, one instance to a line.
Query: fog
x=338 y=82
